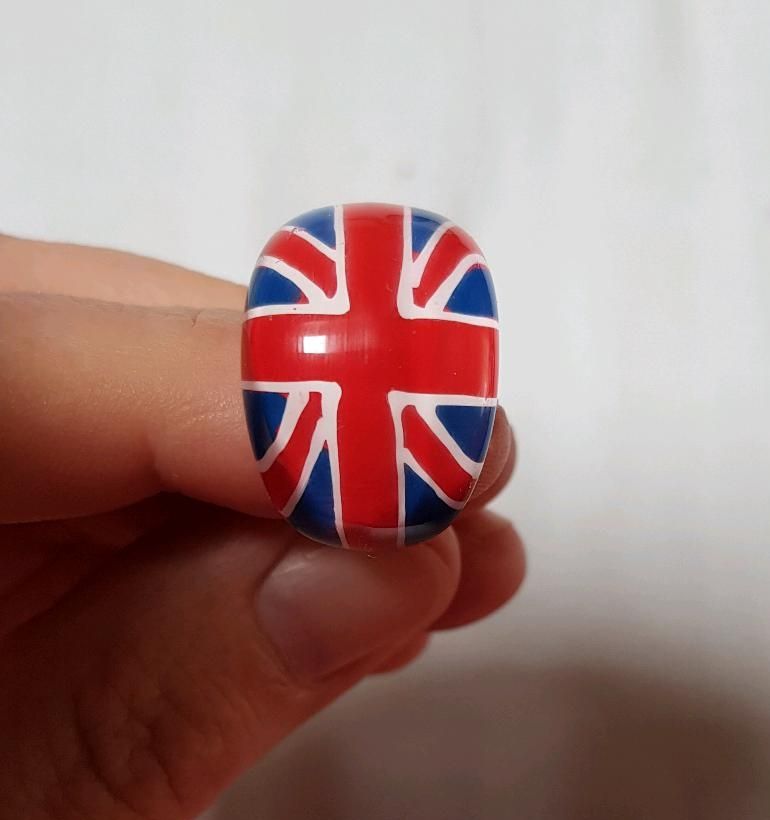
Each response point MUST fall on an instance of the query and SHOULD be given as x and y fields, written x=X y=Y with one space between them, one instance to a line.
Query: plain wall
x=613 y=160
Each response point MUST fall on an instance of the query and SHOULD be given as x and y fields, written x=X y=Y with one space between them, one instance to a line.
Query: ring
x=369 y=367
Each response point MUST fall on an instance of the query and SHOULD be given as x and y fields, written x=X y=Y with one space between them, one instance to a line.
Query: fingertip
x=499 y=463
x=494 y=567
x=324 y=609
x=404 y=655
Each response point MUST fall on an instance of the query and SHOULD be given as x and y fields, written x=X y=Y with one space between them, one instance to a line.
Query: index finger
x=105 y=404
x=92 y=449
x=31 y=266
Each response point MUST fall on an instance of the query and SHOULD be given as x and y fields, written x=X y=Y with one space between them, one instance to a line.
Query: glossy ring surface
x=370 y=372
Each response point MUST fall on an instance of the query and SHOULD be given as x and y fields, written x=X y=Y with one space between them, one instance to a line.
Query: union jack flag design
x=370 y=372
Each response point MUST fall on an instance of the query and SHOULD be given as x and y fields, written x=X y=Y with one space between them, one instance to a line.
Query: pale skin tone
x=160 y=630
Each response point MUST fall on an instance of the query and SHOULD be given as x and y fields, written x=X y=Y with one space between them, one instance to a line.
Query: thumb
x=157 y=681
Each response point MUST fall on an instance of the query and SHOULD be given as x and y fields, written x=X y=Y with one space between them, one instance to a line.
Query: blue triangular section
x=268 y=287
x=426 y=514
x=314 y=514
x=470 y=427
x=264 y=412
x=319 y=223
x=474 y=294
x=424 y=223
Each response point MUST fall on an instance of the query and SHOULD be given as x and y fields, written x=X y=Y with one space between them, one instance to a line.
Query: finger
x=41 y=562
x=498 y=465
x=106 y=404
x=116 y=276
x=406 y=654
x=189 y=656
x=494 y=565
x=109 y=275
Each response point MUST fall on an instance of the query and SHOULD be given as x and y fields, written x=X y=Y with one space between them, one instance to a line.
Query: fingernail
x=323 y=609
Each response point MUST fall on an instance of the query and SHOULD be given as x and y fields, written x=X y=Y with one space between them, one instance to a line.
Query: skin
x=159 y=629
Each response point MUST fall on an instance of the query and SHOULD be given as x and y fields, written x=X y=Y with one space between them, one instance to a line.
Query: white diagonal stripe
x=295 y=404
x=419 y=264
x=412 y=462
x=316 y=445
x=446 y=288
x=473 y=468
x=311 y=240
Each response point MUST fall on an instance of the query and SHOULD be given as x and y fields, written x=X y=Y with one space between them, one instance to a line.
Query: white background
x=613 y=160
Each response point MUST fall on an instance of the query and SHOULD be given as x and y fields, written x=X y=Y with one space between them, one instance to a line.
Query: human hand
x=159 y=629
